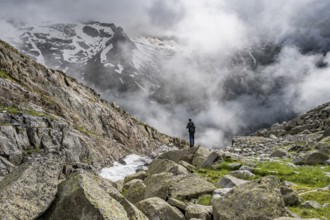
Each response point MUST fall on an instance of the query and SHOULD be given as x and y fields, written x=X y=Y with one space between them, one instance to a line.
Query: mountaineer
x=191 y=129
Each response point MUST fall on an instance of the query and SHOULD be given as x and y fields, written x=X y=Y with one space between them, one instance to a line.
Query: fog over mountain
x=238 y=66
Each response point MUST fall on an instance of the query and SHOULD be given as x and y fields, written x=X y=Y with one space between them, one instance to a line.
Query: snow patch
x=119 y=171
x=120 y=68
x=105 y=52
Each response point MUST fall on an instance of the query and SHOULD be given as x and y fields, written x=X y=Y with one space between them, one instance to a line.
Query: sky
x=212 y=34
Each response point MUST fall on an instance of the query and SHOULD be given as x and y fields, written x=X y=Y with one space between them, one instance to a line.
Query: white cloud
x=213 y=32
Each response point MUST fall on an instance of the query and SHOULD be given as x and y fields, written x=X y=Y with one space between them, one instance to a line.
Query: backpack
x=191 y=127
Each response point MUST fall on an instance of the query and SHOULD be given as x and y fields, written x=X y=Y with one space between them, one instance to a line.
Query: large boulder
x=164 y=165
x=177 y=155
x=312 y=158
x=278 y=153
x=157 y=208
x=158 y=185
x=178 y=203
x=30 y=189
x=130 y=183
x=138 y=175
x=213 y=157
x=188 y=166
x=290 y=197
x=199 y=212
x=191 y=186
x=242 y=174
x=260 y=199
x=228 y=181
x=87 y=196
x=135 y=192
x=200 y=156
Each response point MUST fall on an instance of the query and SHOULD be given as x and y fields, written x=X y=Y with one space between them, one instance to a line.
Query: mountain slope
x=44 y=111
x=100 y=54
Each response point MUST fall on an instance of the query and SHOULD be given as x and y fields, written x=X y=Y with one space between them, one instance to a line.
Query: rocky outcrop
x=156 y=208
x=313 y=121
x=30 y=189
x=164 y=165
x=259 y=199
x=135 y=192
x=86 y=196
x=200 y=156
x=178 y=155
x=228 y=181
x=312 y=158
x=158 y=185
x=198 y=212
x=191 y=186
x=63 y=115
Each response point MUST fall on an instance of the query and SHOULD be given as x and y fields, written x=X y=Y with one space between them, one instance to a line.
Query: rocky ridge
x=44 y=112
x=307 y=132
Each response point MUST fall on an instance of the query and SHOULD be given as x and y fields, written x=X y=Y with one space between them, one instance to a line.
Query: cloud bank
x=242 y=65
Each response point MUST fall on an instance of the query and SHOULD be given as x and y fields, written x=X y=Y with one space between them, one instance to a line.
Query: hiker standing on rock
x=191 y=129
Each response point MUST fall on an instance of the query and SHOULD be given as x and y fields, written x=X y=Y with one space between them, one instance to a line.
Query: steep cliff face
x=44 y=111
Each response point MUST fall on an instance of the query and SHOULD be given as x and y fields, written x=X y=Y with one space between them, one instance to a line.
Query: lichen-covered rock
x=188 y=166
x=212 y=158
x=191 y=186
x=222 y=191
x=157 y=208
x=290 y=197
x=138 y=175
x=311 y=204
x=312 y=158
x=234 y=166
x=244 y=167
x=228 y=181
x=30 y=189
x=87 y=196
x=199 y=212
x=278 y=153
x=200 y=156
x=177 y=155
x=242 y=174
x=130 y=183
x=5 y=166
x=260 y=199
x=135 y=192
x=158 y=185
x=177 y=203
x=164 y=165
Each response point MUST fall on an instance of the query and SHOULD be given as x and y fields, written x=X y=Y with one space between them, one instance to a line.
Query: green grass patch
x=311 y=213
x=311 y=176
x=321 y=197
x=87 y=132
x=204 y=200
x=124 y=192
x=35 y=113
x=32 y=150
x=10 y=109
x=5 y=75
x=213 y=175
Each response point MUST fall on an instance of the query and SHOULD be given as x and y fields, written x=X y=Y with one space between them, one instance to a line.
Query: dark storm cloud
x=212 y=32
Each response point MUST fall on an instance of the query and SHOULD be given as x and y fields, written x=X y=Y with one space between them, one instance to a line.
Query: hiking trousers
x=192 y=139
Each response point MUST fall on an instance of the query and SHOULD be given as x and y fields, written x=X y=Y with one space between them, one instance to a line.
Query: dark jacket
x=191 y=127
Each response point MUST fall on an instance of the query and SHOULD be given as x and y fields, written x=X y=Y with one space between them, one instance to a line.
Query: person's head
x=189 y=119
